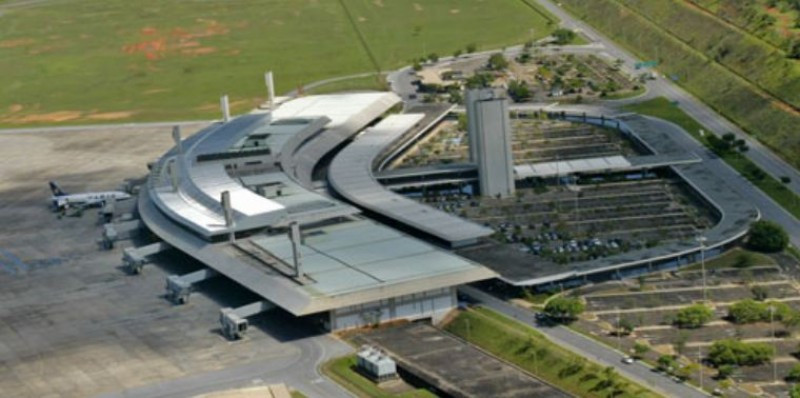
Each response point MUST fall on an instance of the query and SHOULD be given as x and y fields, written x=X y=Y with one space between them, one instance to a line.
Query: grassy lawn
x=532 y=351
x=738 y=76
x=733 y=258
x=794 y=252
x=662 y=108
x=75 y=62
x=341 y=371
x=297 y=394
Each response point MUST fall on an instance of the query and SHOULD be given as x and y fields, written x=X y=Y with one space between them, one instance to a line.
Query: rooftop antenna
x=226 y=110
x=270 y=89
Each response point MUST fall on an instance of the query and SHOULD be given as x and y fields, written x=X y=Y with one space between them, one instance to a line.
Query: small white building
x=376 y=364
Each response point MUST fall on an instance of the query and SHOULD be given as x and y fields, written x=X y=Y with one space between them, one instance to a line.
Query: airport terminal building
x=244 y=198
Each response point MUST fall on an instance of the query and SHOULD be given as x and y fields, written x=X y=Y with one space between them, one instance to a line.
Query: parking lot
x=650 y=304
x=453 y=366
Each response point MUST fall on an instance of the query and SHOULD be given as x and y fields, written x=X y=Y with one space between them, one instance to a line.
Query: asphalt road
x=695 y=108
x=588 y=348
x=299 y=371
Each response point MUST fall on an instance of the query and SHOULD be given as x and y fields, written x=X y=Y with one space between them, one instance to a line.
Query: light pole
x=700 y=362
x=619 y=332
x=702 y=240
x=774 y=345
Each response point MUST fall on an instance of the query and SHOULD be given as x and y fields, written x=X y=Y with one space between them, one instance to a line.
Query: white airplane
x=62 y=200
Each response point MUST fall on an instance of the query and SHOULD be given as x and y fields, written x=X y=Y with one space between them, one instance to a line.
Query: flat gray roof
x=351 y=175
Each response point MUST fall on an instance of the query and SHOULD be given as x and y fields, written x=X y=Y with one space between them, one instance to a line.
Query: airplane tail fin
x=57 y=191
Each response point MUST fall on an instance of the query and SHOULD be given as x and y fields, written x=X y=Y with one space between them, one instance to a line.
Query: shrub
x=724 y=371
x=794 y=374
x=497 y=62
x=694 y=316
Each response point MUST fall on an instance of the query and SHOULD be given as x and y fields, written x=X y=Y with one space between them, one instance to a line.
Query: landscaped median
x=533 y=352
x=342 y=371
x=664 y=109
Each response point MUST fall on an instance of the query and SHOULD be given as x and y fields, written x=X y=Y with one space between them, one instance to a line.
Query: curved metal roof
x=351 y=175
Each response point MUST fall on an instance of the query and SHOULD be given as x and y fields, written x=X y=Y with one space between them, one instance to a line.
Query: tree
x=734 y=352
x=687 y=371
x=693 y=316
x=729 y=138
x=433 y=57
x=795 y=391
x=497 y=62
x=639 y=350
x=786 y=180
x=625 y=327
x=417 y=66
x=479 y=80
x=666 y=363
x=794 y=374
x=563 y=36
x=746 y=311
x=457 y=53
x=518 y=91
x=471 y=48
x=564 y=308
x=767 y=236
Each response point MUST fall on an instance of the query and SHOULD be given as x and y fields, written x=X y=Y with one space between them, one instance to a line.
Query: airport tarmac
x=74 y=324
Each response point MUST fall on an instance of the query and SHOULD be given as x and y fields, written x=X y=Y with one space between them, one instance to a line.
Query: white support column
x=176 y=136
x=226 y=110
x=268 y=79
x=228 y=213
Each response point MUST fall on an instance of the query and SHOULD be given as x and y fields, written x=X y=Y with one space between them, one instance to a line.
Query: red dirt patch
x=199 y=51
x=11 y=43
x=54 y=117
x=157 y=44
x=111 y=115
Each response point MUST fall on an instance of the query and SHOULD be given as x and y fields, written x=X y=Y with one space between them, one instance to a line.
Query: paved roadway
x=588 y=348
x=299 y=371
x=695 y=108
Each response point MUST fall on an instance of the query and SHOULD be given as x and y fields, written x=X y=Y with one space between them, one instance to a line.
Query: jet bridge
x=179 y=287
x=113 y=232
x=234 y=320
x=134 y=258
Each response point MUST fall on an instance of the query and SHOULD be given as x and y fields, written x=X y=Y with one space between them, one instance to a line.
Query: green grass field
x=718 y=82
x=662 y=108
x=775 y=25
x=341 y=371
x=532 y=351
x=113 y=60
x=732 y=258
